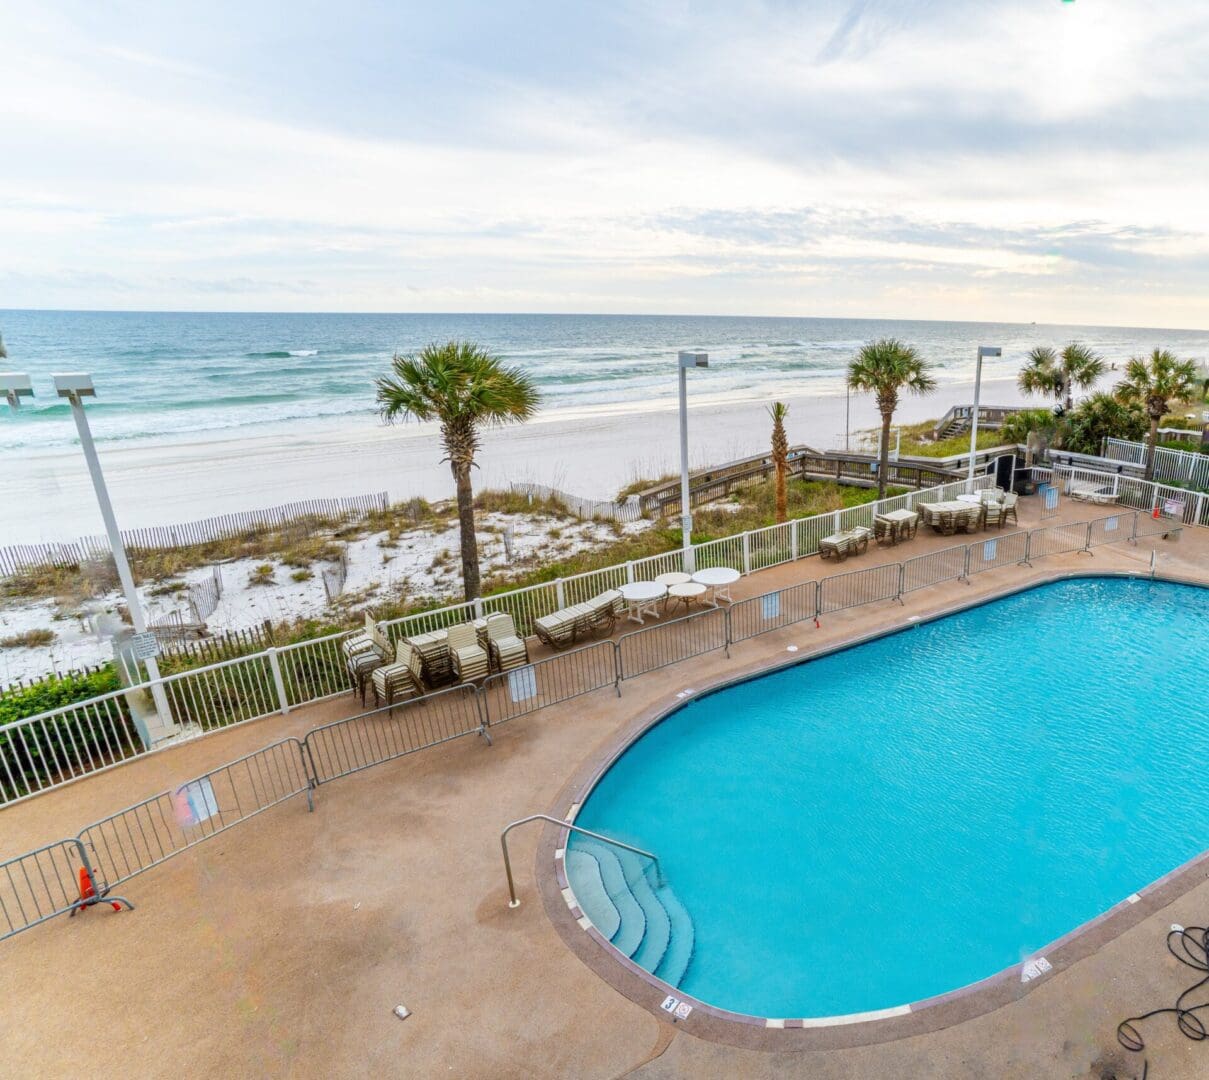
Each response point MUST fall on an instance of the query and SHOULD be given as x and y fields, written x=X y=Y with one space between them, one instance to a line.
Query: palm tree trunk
x=1151 y=440
x=883 y=464
x=782 y=495
x=470 y=547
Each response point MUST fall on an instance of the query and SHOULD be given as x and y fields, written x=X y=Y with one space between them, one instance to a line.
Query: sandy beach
x=590 y=452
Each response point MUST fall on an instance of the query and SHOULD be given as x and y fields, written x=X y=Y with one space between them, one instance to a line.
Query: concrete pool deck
x=282 y=946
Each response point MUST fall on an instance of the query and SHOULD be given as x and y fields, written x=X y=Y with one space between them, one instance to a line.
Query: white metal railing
x=280 y=679
x=1184 y=466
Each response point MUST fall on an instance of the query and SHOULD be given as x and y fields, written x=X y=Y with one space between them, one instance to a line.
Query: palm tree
x=1056 y=375
x=464 y=389
x=778 y=410
x=1153 y=382
x=888 y=367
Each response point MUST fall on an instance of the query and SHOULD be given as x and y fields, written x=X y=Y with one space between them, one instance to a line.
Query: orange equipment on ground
x=88 y=894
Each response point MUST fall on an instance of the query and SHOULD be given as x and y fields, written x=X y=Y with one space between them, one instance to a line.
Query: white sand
x=592 y=452
x=424 y=562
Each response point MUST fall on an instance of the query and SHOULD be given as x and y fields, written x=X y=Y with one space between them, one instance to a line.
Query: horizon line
x=597 y=315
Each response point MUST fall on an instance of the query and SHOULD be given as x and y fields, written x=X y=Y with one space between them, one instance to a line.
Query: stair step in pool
x=619 y=892
x=590 y=892
x=632 y=920
x=638 y=874
x=681 y=937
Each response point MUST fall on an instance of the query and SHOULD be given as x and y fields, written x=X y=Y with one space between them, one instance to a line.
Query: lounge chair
x=505 y=648
x=606 y=606
x=556 y=629
x=394 y=682
x=468 y=657
x=842 y=544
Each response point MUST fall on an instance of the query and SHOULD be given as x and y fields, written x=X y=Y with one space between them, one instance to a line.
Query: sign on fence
x=770 y=606
x=146 y=645
x=522 y=683
x=195 y=803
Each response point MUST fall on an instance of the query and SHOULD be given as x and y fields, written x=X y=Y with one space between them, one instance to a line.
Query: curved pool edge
x=854 y=1029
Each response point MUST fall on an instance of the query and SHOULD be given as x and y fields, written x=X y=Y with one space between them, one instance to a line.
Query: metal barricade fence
x=995 y=551
x=526 y=689
x=358 y=742
x=860 y=587
x=1113 y=529
x=948 y=564
x=43 y=883
x=772 y=611
x=1145 y=525
x=658 y=646
x=152 y=831
x=1058 y=539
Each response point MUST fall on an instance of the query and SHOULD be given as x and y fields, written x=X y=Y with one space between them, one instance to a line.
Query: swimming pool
x=914 y=814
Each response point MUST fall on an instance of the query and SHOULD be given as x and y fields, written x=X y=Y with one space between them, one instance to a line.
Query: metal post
x=686 y=518
x=685 y=361
x=983 y=350
x=119 y=552
x=847 y=413
x=278 y=681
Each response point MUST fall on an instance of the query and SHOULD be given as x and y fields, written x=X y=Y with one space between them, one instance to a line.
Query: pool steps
x=646 y=921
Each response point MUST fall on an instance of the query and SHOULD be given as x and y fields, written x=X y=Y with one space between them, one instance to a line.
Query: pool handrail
x=513 y=901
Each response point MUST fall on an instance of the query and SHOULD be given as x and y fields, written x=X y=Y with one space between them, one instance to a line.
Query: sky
x=1021 y=160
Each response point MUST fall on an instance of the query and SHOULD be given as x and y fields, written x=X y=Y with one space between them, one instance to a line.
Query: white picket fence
x=278 y=680
x=1183 y=466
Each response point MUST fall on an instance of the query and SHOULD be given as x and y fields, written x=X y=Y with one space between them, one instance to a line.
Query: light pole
x=983 y=350
x=687 y=360
x=76 y=387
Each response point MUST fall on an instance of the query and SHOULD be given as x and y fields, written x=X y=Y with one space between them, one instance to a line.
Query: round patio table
x=974 y=499
x=718 y=579
x=674 y=577
x=686 y=592
x=642 y=597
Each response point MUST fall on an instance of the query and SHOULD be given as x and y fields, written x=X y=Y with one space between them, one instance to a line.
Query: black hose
x=1190 y=946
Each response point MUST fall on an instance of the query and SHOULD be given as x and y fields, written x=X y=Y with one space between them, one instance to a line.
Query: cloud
x=880 y=157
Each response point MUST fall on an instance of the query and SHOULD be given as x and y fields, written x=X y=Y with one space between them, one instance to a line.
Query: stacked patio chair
x=468 y=657
x=364 y=653
x=567 y=625
x=506 y=649
x=606 y=606
x=556 y=629
x=1009 y=507
x=971 y=521
x=435 y=661
x=842 y=544
x=394 y=682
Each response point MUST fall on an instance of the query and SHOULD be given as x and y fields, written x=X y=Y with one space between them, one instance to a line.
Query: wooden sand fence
x=24 y=558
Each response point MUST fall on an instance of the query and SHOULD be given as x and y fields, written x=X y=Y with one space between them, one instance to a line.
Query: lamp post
x=983 y=350
x=76 y=387
x=686 y=360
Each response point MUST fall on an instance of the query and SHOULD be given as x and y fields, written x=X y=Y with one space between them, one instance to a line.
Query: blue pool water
x=917 y=813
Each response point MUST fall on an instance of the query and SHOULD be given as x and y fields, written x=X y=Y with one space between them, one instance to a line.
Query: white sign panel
x=771 y=605
x=146 y=645
x=195 y=803
x=522 y=683
x=988 y=550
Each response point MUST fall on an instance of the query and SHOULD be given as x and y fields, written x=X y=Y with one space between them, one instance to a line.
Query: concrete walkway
x=281 y=947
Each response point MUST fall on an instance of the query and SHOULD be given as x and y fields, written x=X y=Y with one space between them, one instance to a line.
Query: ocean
x=170 y=377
